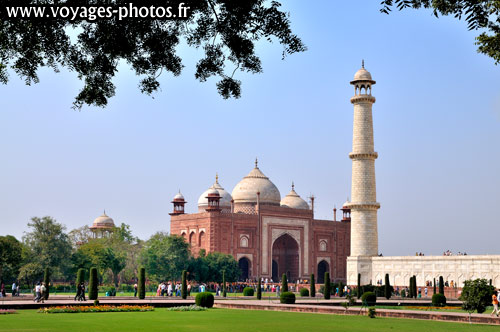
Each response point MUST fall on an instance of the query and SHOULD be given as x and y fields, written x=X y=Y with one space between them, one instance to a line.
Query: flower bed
x=7 y=311
x=430 y=308
x=98 y=308
x=193 y=307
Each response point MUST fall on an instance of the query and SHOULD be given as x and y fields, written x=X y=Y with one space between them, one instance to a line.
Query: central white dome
x=246 y=190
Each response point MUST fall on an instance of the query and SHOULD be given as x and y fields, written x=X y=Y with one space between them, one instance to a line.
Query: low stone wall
x=426 y=268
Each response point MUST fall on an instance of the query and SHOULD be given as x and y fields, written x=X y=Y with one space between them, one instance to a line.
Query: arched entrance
x=286 y=257
x=244 y=264
x=323 y=267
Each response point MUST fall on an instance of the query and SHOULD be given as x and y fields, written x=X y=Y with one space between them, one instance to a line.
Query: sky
x=436 y=126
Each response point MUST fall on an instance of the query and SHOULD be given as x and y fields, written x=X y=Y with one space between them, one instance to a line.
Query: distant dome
x=246 y=190
x=103 y=222
x=346 y=204
x=225 y=197
x=294 y=201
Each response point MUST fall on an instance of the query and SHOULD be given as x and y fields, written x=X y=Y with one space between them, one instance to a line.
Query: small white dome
x=293 y=200
x=103 y=222
x=246 y=190
x=179 y=196
x=363 y=75
x=346 y=204
x=225 y=197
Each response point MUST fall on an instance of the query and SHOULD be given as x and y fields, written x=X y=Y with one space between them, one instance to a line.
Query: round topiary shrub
x=438 y=300
x=205 y=300
x=369 y=299
x=304 y=292
x=287 y=298
x=248 y=291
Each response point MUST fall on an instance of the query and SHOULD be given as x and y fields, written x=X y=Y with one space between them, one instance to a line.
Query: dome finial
x=293 y=186
x=363 y=63
x=104 y=211
x=256 y=163
x=216 y=177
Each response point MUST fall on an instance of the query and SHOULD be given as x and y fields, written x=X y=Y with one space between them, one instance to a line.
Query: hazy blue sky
x=436 y=119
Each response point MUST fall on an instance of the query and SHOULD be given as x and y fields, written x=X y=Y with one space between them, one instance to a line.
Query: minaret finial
x=256 y=162
x=216 y=177
x=293 y=186
x=104 y=211
x=363 y=63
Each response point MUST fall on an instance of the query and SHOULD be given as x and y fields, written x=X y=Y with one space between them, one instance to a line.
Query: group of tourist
x=419 y=254
x=449 y=253
x=170 y=289
x=40 y=292
x=80 y=292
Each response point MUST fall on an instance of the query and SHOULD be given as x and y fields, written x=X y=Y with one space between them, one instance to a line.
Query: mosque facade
x=268 y=235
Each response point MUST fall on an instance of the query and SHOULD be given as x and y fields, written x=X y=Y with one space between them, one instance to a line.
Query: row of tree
x=116 y=257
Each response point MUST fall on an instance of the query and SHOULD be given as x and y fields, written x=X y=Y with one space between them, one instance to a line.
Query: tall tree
x=165 y=256
x=96 y=253
x=10 y=257
x=480 y=15
x=48 y=246
x=226 y=31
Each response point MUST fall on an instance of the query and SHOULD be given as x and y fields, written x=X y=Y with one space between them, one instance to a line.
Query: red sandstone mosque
x=267 y=235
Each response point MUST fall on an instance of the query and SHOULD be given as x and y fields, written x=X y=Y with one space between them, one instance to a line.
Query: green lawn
x=220 y=320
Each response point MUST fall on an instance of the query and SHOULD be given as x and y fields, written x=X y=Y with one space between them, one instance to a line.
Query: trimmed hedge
x=284 y=283
x=184 y=291
x=304 y=292
x=141 y=285
x=287 y=298
x=313 y=286
x=328 y=289
x=369 y=299
x=438 y=300
x=205 y=300
x=259 y=290
x=248 y=291
x=46 y=282
x=93 y=291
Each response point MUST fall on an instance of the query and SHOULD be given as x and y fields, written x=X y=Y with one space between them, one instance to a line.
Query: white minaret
x=363 y=205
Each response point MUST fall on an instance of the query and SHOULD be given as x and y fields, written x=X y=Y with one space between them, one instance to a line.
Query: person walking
x=14 y=288
x=78 y=292
x=494 y=301
x=37 y=293
x=135 y=290
x=82 y=291
x=43 y=292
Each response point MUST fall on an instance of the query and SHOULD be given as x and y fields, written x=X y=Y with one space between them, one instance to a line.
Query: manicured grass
x=221 y=320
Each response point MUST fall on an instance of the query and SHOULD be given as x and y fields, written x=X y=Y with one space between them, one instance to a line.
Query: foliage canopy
x=226 y=31
x=479 y=14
